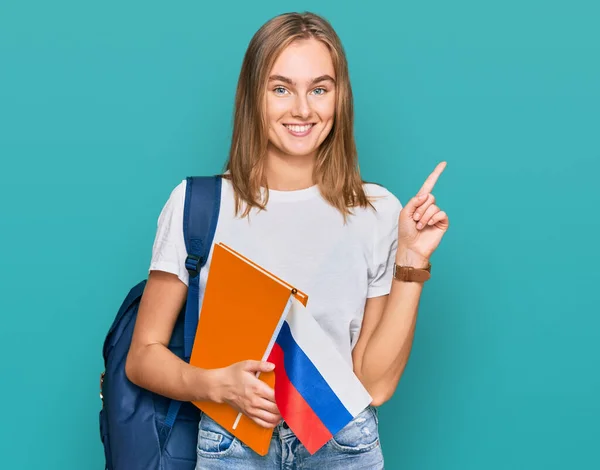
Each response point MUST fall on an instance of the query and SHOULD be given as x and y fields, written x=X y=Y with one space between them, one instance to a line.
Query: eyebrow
x=289 y=81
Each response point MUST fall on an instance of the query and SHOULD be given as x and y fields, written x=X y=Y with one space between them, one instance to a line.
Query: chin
x=295 y=152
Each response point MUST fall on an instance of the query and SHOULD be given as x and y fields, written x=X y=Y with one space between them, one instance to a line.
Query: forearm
x=388 y=349
x=156 y=368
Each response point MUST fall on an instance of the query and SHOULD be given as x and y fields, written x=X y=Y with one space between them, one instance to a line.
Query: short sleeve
x=168 y=251
x=385 y=244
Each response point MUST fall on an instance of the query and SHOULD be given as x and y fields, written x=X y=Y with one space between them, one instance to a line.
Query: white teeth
x=299 y=128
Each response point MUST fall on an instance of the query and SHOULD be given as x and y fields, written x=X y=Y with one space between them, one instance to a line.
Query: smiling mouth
x=299 y=130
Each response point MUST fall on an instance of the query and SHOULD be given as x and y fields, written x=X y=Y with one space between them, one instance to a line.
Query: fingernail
x=417 y=216
x=419 y=225
x=430 y=222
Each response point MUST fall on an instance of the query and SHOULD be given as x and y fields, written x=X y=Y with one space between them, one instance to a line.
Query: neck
x=289 y=172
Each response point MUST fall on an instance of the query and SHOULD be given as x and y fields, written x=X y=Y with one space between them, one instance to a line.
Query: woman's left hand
x=422 y=224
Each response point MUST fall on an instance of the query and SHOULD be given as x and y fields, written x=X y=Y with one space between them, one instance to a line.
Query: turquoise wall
x=105 y=107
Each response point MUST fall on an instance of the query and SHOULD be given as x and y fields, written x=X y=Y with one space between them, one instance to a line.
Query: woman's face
x=300 y=99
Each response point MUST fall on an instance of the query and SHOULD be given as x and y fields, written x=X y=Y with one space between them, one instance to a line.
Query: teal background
x=105 y=107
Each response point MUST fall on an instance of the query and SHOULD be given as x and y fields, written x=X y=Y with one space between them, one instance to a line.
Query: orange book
x=244 y=306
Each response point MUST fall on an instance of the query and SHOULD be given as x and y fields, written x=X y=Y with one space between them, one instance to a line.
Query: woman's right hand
x=238 y=386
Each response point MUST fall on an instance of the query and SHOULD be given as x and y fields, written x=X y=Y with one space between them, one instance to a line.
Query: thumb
x=411 y=206
x=259 y=366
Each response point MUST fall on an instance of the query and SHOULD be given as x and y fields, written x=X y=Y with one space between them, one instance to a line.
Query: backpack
x=140 y=429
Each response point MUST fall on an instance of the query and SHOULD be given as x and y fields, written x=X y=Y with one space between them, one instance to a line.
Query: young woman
x=294 y=202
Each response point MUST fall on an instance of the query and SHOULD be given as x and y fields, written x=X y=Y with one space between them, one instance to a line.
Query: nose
x=301 y=108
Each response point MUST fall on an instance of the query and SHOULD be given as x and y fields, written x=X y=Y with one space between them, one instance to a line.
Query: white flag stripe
x=327 y=359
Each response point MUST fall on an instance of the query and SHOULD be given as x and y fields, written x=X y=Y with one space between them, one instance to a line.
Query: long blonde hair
x=336 y=170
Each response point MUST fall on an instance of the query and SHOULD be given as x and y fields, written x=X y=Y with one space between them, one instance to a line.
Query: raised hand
x=422 y=224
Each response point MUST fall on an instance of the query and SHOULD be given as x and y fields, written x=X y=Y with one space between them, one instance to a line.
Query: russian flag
x=316 y=390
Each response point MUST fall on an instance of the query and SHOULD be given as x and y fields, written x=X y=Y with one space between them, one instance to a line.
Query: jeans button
x=285 y=425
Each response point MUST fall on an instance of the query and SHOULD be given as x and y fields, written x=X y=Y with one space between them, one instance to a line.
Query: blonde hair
x=336 y=170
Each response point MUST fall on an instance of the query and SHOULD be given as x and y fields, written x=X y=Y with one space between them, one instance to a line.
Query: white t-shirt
x=303 y=240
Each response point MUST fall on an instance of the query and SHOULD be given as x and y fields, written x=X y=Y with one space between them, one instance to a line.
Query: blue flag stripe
x=305 y=377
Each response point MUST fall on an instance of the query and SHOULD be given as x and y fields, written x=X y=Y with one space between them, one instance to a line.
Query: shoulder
x=178 y=191
x=175 y=201
x=380 y=219
x=177 y=196
x=382 y=199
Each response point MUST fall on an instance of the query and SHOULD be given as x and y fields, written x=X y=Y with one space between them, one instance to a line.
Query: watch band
x=412 y=274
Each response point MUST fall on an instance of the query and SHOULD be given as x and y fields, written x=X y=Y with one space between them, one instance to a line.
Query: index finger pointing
x=432 y=179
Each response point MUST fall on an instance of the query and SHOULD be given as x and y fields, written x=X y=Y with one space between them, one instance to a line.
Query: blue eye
x=279 y=90
x=321 y=91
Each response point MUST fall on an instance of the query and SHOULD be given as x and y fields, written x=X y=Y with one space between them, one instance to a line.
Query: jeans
x=356 y=446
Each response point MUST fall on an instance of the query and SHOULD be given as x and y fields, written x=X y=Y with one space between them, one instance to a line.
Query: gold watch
x=412 y=274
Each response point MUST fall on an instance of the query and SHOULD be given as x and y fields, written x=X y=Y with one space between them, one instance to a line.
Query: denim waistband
x=283 y=430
